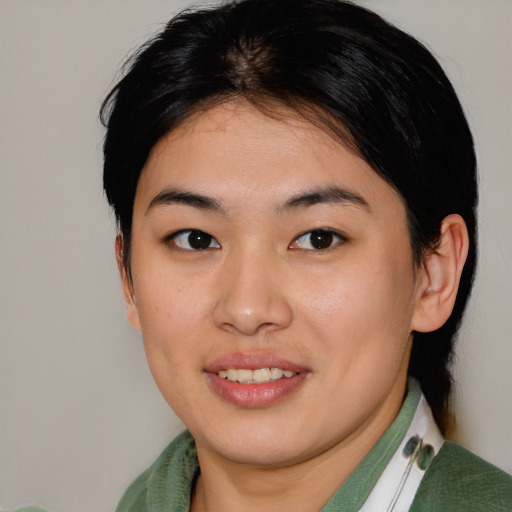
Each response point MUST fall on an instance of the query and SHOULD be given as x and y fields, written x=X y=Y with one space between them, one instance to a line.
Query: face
x=274 y=285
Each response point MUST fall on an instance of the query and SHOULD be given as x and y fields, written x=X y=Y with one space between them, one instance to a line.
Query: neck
x=305 y=486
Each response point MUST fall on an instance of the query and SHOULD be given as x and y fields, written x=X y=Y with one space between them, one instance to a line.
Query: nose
x=251 y=299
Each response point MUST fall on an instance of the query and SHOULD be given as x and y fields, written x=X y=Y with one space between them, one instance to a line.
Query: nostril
x=250 y=320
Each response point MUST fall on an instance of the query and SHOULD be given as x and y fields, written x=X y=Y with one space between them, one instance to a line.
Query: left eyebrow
x=327 y=195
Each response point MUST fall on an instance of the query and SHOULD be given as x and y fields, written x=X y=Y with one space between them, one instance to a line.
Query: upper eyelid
x=185 y=230
x=327 y=230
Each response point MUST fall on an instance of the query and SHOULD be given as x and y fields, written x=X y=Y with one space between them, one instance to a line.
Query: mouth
x=255 y=380
x=259 y=376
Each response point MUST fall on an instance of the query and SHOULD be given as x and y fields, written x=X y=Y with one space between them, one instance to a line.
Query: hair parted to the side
x=343 y=68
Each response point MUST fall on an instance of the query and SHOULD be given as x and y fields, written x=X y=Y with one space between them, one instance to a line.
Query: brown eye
x=195 y=240
x=317 y=240
x=321 y=239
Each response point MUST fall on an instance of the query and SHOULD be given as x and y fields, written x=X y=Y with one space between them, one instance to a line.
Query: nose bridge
x=251 y=297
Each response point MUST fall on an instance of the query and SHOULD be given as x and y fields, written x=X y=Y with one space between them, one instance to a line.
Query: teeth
x=262 y=375
x=276 y=373
x=244 y=375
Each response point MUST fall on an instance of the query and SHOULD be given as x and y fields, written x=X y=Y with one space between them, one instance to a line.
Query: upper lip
x=252 y=362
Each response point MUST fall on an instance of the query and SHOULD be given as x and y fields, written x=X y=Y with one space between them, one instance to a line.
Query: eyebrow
x=177 y=196
x=327 y=195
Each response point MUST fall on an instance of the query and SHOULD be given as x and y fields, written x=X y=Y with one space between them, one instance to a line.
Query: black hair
x=343 y=68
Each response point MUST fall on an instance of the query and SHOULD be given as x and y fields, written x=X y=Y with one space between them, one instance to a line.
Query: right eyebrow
x=185 y=197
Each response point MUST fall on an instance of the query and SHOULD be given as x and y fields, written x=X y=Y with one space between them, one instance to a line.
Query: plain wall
x=80 y=416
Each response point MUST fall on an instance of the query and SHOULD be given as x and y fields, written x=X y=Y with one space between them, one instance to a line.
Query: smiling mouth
x=259 y=376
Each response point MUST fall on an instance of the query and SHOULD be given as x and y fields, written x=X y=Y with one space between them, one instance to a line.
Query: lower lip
x=254 y=396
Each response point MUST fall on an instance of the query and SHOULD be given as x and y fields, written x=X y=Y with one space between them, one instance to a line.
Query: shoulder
x=458 y=480
x=168 y=481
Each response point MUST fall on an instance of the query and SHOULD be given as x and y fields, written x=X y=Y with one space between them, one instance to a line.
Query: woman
x=295 y=189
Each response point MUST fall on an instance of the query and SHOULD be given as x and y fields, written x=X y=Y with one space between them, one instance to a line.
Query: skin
x=343 y=315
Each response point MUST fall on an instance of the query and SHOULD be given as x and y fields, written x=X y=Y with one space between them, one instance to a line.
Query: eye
x=317 y=240
x=194 y=240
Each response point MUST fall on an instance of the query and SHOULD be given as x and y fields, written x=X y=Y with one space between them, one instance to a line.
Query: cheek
x=173 y=314
x=172 y=319
x=343 y=297
x=356 y=307
x=166 y=294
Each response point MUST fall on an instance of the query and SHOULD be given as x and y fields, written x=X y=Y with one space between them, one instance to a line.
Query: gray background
x=79 y=414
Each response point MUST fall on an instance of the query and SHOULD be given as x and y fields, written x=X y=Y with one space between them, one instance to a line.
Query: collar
x=389 y=476
x=397 y=485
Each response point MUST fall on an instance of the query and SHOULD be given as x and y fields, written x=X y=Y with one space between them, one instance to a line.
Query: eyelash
x=322 y=235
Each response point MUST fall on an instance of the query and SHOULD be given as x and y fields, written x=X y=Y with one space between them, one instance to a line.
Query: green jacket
x=456 y=481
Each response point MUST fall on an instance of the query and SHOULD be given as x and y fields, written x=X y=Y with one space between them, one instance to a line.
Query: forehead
x=234 y=150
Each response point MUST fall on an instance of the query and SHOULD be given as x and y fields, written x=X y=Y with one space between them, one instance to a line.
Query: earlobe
x=441 y=276
x=127 y=285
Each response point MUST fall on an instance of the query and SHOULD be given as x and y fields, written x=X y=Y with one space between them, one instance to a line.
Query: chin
x=262 y=445
x=268 y=456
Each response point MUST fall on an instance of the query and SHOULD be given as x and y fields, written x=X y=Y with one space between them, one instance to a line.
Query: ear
x=441 y=271
x=127 y=285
